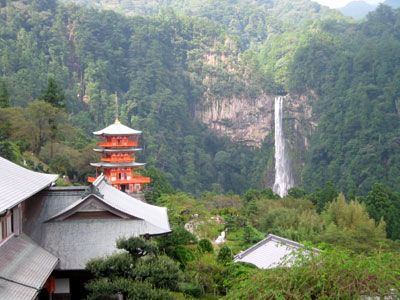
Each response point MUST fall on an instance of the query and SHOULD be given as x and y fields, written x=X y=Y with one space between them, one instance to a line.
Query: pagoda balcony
x=118 y=145
x=118 y=160
x=133 y=180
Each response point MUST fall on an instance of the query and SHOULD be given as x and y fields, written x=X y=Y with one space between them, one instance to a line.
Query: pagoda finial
x=116 y=110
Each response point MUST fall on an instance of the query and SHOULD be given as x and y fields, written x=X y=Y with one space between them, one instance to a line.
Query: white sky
x=341 y=3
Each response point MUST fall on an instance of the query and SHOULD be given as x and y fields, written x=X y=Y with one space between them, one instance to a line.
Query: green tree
x=348 y=225
x=53 y=94
x=329 y=275
x=128 y=271
x=206 y=246
x=4 y=95
x=322 y=196
x=383 y=204
x=43 y=124
x=225 y=255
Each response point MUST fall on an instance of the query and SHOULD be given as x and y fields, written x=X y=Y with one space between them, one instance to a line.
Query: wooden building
x=272 y=252
x=118 y=162
x=49 y=233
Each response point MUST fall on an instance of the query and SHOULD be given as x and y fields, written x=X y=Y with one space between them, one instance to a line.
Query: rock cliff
x=251 y=121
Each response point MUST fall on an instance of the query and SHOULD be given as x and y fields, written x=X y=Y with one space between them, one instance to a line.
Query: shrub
x=161 y=272
x=191 y=289
x=132 y=290
x=206 y=246
x=330 y=275
x=225 y=255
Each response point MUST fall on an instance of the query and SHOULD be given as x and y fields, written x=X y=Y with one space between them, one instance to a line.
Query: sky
x=341 y=3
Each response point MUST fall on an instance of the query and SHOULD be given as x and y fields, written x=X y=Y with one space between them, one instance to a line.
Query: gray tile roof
x=157 y=216
x=75 y=241
x=11 y=291
x=117 y=129
x=18 y=183
x=272 y=252
x=24 y=268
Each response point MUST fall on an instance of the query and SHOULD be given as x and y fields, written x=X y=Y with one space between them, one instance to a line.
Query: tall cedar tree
x=53 y=94
x=4 y=95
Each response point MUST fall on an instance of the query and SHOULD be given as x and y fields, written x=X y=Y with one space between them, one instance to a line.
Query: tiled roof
x=117 y=150
x=11 y=291
x=272 y=252
x=155 y=215
x=74 y=240
x=128 y=164
x=117 y=129
x=24 y=268
x=18 y=183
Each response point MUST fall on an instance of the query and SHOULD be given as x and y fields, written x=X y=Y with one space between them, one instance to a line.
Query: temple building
x=49 y=233
x=118 y=162
x=274 y=252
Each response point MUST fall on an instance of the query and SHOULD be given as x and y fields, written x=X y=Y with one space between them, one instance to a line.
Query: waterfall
x=283 y=176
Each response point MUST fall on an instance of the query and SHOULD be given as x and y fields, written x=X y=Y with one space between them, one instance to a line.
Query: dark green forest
x=153 y=62
x=67 y=70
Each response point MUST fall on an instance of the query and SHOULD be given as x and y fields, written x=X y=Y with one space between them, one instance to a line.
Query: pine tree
x=4 y=95
x=53 y=94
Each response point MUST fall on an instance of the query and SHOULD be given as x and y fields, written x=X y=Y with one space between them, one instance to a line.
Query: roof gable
x=92 y=204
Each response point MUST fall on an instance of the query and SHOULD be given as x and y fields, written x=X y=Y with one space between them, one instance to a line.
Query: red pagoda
x=118 y=162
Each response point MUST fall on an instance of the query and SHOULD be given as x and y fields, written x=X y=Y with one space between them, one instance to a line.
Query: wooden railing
x=118 y=159
x=134 y=179
x=118 y=145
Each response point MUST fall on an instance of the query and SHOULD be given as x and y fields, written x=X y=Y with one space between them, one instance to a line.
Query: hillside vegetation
x=158 y=65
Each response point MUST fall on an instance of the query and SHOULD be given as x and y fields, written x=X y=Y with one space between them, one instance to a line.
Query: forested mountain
x=153 y=65
x=199 y=78
x=357 y=9
x=392 y=3
x=173 y=59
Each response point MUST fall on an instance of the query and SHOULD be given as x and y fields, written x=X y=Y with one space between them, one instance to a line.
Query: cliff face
x=251 y=121
x=241 y=119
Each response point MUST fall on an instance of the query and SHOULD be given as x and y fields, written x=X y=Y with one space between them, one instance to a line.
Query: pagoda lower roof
x=118 y=150
x=125 y=164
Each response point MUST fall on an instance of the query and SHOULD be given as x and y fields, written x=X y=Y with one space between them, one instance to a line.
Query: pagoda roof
x=18 y=183
x=117 y=150
x=108 y=165
x=117 y=129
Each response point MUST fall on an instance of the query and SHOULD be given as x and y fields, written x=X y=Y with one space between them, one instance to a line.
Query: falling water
x=283 y=177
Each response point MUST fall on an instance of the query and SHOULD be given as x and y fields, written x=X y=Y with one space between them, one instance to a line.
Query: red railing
x=118 y=145
x=118 y=160
x=134 y=179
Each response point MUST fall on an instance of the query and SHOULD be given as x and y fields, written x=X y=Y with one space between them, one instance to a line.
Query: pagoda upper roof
x=117 y=150
x=117 y=129
x=124 y=164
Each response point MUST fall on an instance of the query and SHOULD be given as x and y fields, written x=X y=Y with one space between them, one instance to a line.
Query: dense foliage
x=329 y=275
x=355 y=258
x=355 y=69
x=158 y=66
x=83 y=59
x=66 y=70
